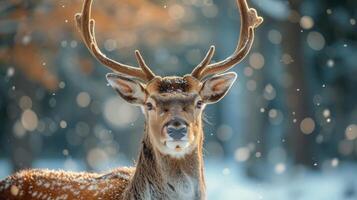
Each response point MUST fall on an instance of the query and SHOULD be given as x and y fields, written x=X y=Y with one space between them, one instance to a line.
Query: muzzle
x=176 y=129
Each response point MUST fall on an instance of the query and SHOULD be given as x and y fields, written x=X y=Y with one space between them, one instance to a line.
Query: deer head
x=173 y=106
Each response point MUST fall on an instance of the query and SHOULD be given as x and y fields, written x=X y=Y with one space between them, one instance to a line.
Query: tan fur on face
x=173 y=97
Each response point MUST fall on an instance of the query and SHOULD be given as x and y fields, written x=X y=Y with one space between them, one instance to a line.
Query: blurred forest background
x=290 y=118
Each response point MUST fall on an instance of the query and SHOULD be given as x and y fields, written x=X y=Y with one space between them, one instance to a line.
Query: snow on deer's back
x=49 y=184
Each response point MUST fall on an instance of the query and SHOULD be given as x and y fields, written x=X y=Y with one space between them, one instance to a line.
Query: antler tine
x=150 y=75
x=197 y=71
x=249 y=21
x=86 y=27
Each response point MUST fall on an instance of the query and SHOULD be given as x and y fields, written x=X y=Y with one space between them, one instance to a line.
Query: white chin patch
x=177 y=145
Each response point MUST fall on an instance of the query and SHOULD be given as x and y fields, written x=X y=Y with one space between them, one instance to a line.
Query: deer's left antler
x=249 y=21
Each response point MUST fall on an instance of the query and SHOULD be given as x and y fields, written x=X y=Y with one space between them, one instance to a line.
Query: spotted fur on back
x=56 y=185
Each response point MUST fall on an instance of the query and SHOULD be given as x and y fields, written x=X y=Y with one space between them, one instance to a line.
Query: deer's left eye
x=199 y=104
x=149 y=106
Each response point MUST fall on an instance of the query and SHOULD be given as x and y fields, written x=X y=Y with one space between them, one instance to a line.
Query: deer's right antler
x=249 y=21
x=86 y=26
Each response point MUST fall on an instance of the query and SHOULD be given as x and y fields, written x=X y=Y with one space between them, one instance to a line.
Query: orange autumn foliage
x=41 y=29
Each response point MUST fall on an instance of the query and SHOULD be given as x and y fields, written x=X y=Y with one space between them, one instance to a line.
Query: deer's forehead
x=172 y=85
x=174 y=98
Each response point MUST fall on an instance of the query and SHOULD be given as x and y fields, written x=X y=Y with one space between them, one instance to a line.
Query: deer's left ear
x=129 y=89
x=216 y=87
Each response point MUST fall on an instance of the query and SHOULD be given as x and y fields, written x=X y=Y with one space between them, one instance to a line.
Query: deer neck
x=159 y=176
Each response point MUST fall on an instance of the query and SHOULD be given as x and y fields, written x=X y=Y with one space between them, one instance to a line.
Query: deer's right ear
x=216 y=87
x=129 y=89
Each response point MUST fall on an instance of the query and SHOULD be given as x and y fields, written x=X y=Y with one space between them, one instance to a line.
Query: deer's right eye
x=199 y=104
x=149 y=106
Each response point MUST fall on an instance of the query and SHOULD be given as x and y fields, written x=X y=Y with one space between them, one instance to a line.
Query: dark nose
x=177 y=129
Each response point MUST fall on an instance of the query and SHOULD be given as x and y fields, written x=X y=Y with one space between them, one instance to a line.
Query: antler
x=86 y=26
x=249 y=21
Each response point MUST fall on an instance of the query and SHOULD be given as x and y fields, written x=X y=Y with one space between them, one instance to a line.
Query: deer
x=170 y=162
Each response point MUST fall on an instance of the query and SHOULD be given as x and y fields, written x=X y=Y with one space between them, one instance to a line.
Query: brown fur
x=162 y=169
x=47 y=184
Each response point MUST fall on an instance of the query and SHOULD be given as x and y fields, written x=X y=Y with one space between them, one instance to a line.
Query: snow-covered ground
x=228 y=182
x=336 y=184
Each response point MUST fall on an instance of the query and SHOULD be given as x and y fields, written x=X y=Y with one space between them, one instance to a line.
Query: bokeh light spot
x=307 y=125
x=256 y=60
x=306 y=22
x=316 y=40
x=280 y=168
x=242 y=154
x=275 y=36
x=83 y=99
x=29 y=120
x=118 y=113
x=351 y=132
